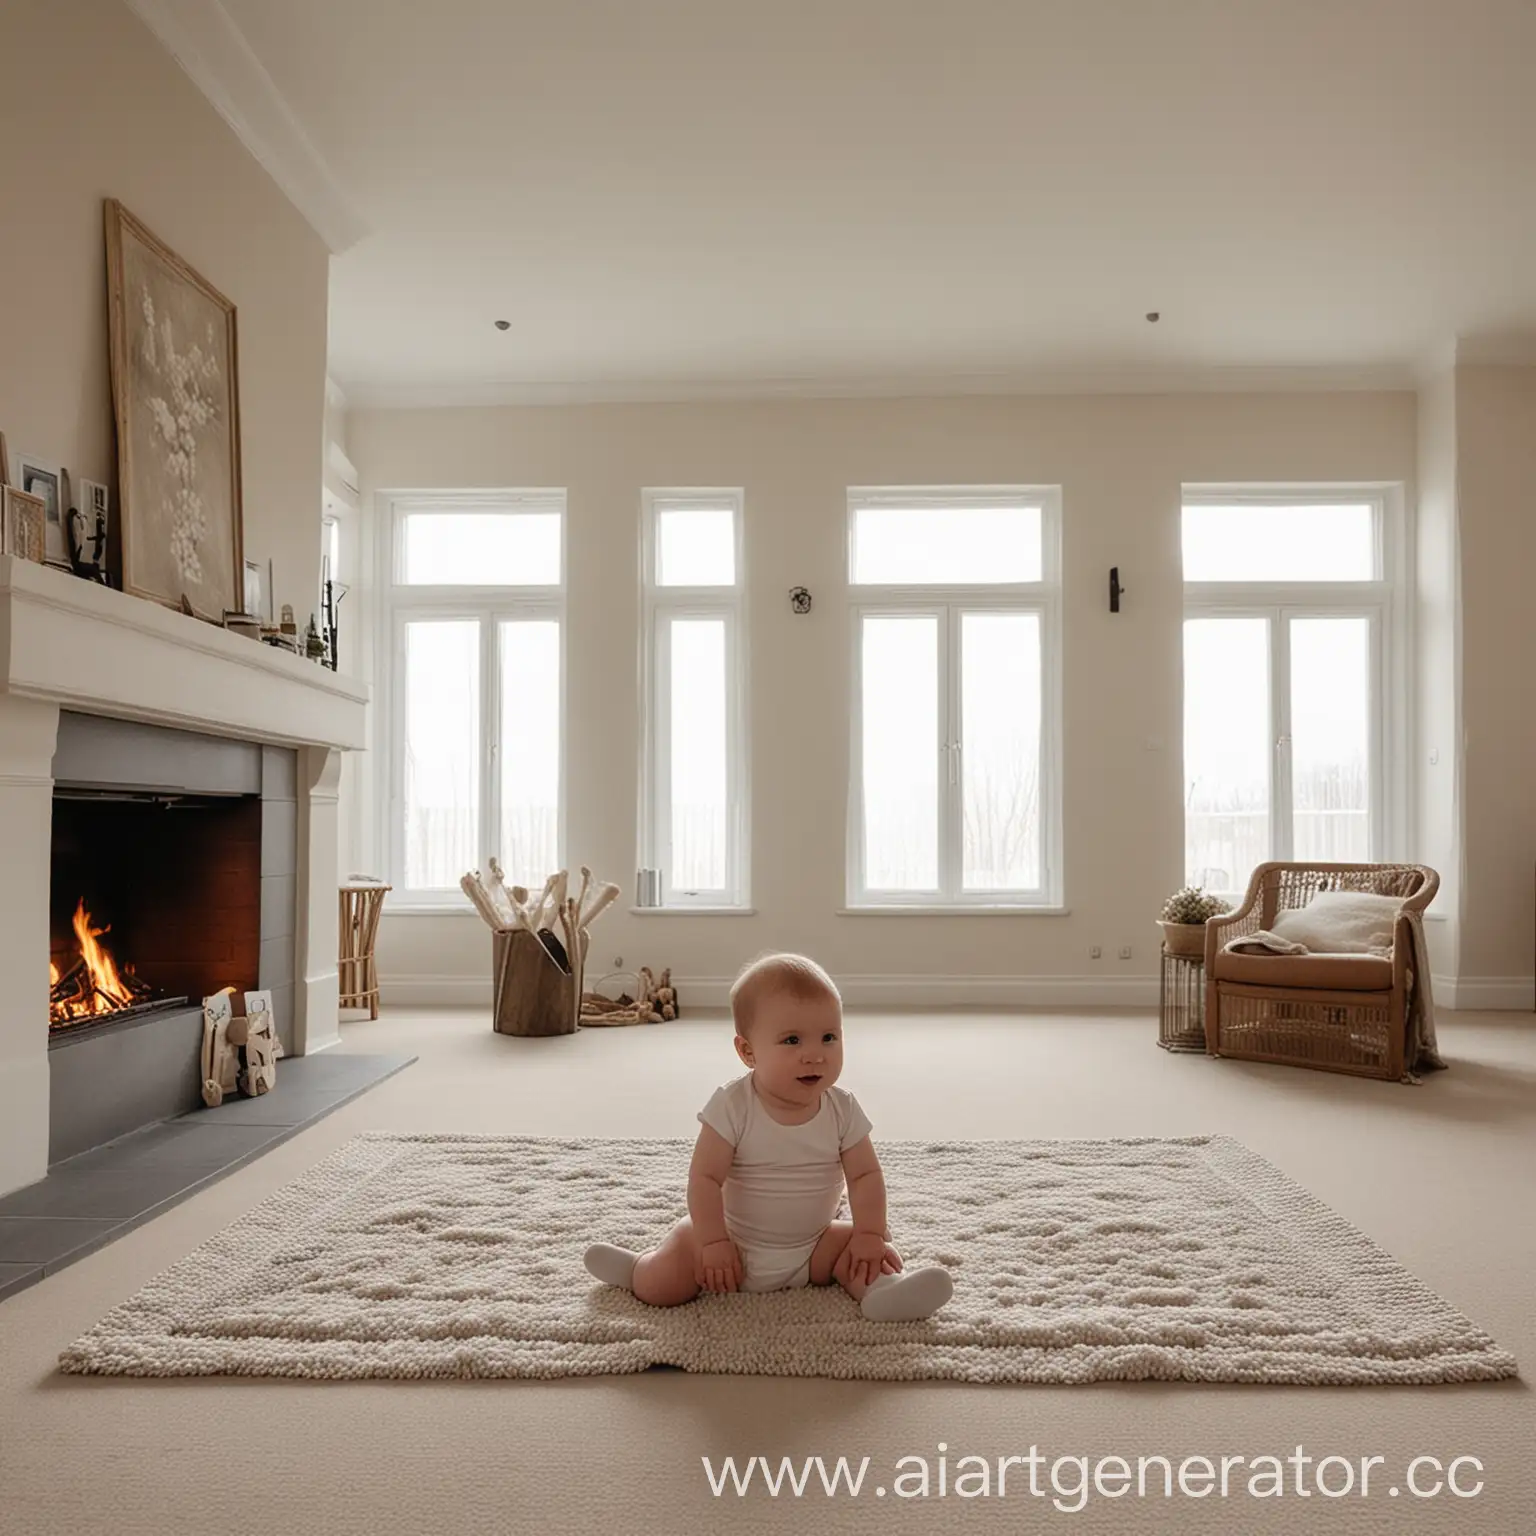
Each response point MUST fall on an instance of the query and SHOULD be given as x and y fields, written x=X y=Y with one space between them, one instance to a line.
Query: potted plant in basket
x=1183 y=921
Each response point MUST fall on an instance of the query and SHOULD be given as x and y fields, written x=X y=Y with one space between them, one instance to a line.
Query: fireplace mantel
x=85 y=647
x=67 y=644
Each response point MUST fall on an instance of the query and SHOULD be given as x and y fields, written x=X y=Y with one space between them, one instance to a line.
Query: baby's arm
x=718 y=1263
x=866 y=1204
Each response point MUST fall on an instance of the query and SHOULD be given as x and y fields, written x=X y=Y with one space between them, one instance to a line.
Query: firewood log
x=538 y=912
x=470 y=885
x=605 y=897
x=496 y=889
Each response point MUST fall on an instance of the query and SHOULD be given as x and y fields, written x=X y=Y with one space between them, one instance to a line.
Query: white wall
x=92 y=107
x=1496 y=482
x=1121 y=462
x=1437 y=748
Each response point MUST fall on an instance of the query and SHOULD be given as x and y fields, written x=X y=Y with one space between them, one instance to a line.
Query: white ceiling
x=694 y=197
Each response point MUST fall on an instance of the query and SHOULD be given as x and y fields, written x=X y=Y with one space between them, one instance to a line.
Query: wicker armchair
x=1341 y=1013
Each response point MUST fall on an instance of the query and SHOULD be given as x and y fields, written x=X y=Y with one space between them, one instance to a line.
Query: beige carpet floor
x=1440 y=1176
x=415 y=1257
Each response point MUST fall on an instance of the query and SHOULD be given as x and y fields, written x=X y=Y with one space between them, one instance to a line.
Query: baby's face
x=796 y=1047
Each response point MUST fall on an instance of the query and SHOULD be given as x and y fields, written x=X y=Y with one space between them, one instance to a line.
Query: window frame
x=1383 y=601
x=489 y=606
x=660 y=606
x=950 y=602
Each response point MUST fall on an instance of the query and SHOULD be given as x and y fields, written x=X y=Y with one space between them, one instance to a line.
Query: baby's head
x=789 y=1026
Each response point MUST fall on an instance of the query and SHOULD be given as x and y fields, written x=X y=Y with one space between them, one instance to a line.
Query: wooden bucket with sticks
x=539 y=949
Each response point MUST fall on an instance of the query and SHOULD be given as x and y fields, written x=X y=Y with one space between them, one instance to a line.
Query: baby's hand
x=867 y=1257
x=718 y=1266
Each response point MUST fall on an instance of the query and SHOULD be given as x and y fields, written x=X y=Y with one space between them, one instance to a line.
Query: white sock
x=613 y=1266
x=907 y=1296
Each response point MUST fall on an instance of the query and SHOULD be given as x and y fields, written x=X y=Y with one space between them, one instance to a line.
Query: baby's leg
x=902 y=1296
x=830 y=1260
x=662 y=1277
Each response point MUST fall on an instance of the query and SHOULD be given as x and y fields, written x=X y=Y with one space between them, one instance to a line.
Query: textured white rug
x=460 y=1256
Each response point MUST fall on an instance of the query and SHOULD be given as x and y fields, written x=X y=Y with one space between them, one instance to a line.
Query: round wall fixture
x=799 y=600
x=503 y=325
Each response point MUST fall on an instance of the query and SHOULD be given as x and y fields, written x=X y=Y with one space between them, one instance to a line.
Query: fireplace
x=80 y=663
x=155 y=900
x=171 y=877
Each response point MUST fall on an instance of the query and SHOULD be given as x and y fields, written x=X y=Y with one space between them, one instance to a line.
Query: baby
x=775 y=1148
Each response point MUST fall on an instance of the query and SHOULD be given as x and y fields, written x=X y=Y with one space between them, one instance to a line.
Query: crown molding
x=202 y=38
x=1434 y=363
x=1161 y=381
x=1501 y=351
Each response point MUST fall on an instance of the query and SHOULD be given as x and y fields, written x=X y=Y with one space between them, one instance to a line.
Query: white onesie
x=786 y=1181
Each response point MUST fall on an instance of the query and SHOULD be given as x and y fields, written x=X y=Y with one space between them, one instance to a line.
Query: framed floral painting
x=175 y=392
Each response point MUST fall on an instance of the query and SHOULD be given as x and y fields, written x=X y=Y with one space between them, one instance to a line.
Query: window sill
x=693 y=911
x=955 y=909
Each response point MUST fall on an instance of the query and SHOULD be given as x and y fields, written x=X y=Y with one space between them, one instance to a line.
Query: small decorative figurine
x=87 y=544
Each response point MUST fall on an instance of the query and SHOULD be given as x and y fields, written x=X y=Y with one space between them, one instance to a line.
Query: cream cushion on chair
x=1341 y=923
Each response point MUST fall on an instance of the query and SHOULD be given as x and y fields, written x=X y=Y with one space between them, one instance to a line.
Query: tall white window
x=694 y=822
x=477 y=595
x=1292 y=630
x=955 y=784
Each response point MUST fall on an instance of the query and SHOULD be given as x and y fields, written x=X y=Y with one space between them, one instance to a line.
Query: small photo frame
x=50 y=482
x=21 y=524
x=254 y=605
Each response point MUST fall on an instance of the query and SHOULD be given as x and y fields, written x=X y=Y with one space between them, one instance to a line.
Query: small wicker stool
x=1181 y=1005
x=362 y=902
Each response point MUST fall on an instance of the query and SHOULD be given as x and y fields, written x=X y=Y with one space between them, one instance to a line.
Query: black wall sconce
x=799 y=600
x=1115 y=589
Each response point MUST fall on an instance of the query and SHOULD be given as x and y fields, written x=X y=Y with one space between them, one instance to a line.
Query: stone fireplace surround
x=67 y=644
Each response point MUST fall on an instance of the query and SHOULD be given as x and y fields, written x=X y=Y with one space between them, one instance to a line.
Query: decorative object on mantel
x=314 y=646
x=330 y=603
x=1183 y=920
x=537 y=973
x=362 y=901
x=50 y=481
x=285 y=634
x=88 y=533
x=21 y=525
x=175 y=395
x=254 y=604
x=5 y=463
x=244 y=625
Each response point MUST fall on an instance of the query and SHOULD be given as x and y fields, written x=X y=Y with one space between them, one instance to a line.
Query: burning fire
x=93 y=985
